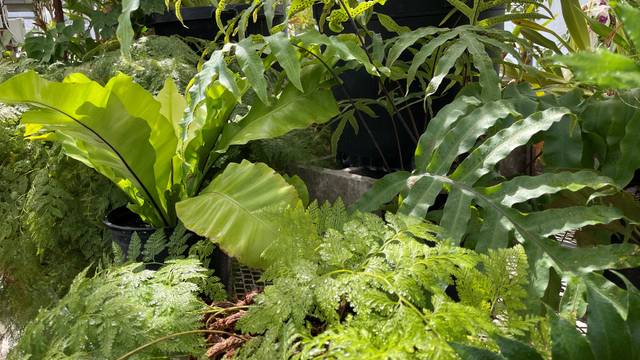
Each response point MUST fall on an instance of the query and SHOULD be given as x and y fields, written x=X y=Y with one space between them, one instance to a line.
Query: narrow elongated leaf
x=228 y=211
x=464 y=135
x=286 y=56
x=405 y=40
x=499 y=146
x=344 y=47
x=444 y=66
x=252 y=67
x=426 y=51
x=556 y=221
x=494 y=233
x=421 y=197
x=124 y=32
x=524 y=188
x=576 y=24
x=172 y=105
x=383 y=191
x=456 y=216
x=489 y=80
x=439 y=125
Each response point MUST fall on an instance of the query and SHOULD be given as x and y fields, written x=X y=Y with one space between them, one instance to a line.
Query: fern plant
x=118 y=310
x=458 y=154
x=374 y=289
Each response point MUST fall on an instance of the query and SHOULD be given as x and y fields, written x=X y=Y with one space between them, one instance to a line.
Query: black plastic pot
x=359 y=150
x=199 y=22
x=123 y=223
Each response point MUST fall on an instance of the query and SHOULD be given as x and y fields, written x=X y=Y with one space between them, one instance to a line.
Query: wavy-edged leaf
x=439 y=125
x=405 y=40
x=499 y=146
x=525 y=188
x=252 y=67
x=124 y=32
x=444 y=65
x=456 y=216
x=427 y=50
x=344 y=47
x=229 y=210
x=489 y=80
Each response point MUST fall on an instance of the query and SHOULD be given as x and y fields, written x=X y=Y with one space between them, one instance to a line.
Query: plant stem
x=363 y=44
x=171 y=336
x=353 y=104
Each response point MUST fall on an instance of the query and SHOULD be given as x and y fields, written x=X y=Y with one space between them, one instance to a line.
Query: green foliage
x=117 y=310
x=366 y=288
x=52 y=210
x=610 y=335
x=458 y=154
x=607 y=69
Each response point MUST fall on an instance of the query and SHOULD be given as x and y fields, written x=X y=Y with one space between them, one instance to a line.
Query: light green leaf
x=252 y=67
x=94 y=127
x=228 y=211
x=172 y=105
x=576 y=23
x=287 y=57
x=124 y=32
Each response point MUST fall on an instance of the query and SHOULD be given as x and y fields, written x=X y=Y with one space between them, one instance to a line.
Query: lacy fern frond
x=377 y=289
x=114 y=312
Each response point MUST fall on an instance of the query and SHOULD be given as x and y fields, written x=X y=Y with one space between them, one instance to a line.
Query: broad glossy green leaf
x=172 y=105
x=292 y=110
x=629 y=16
x=229 y=211
x=422 y=195
x=603 y=68
x=566 y=342
x=95 y=128
x=141 y=104
x=556 y=221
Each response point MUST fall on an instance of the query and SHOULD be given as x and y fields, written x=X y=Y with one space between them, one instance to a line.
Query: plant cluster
x=488 y=281
x=52 y=208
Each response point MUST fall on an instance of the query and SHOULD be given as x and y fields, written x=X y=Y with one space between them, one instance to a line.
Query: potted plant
x=171 y=162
